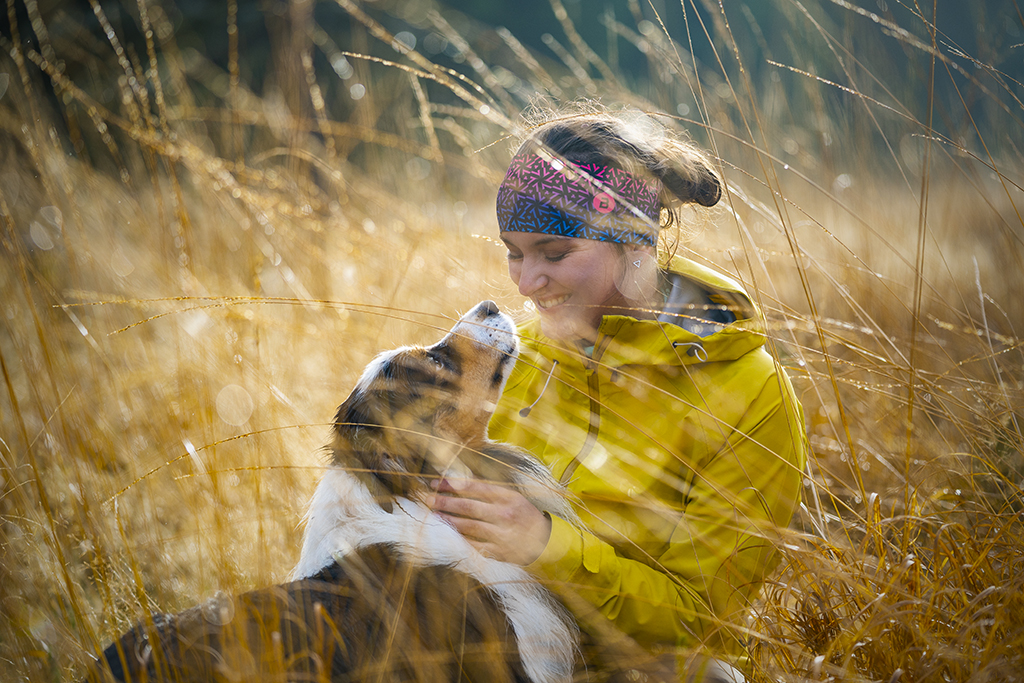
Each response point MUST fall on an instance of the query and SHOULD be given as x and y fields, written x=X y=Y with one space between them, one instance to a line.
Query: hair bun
x=635 y=142
x=698 y=183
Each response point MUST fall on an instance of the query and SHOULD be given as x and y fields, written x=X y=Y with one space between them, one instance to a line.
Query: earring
x=636 y=281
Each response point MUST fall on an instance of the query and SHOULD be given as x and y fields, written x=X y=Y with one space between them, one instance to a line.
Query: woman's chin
x=564 y=328
x=555 y=327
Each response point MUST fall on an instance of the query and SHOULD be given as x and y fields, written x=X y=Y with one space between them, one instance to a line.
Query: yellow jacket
x=685 y=448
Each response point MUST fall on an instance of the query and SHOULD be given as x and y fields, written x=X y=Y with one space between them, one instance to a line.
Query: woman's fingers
x=496 y=520
x=457 y=505
x=473 y=530
x=471 y=488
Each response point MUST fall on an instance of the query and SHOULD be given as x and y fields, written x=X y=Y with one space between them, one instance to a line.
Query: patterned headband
x=543 y=194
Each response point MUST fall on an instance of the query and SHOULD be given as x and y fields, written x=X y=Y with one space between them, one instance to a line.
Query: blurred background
x=212 y=215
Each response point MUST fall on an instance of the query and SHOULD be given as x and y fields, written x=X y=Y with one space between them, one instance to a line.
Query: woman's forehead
x=534 y=239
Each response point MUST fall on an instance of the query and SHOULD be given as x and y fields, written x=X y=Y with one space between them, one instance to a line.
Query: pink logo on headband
x=604 y=202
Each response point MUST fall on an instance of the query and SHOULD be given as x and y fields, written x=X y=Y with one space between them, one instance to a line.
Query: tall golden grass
x=198 y=261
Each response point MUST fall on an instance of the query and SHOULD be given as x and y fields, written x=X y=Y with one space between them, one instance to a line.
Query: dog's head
x=415 y=409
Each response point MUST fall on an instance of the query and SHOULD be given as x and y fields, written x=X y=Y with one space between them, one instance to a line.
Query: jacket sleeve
x=745 y=487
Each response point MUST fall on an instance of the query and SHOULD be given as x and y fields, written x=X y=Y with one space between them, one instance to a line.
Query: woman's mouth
x=551 y=303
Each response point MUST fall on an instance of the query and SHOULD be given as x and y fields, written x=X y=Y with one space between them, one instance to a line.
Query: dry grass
x=198 y=261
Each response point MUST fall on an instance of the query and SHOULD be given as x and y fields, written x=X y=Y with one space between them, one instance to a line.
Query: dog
x=384 y=589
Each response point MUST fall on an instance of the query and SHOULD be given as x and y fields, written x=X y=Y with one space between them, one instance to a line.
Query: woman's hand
x=496 y=520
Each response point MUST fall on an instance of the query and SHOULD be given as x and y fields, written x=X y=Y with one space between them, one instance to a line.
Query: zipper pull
x=526 y=411
x=696 y=350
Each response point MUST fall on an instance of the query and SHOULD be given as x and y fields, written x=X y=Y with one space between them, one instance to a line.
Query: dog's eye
x=437 y=359
x=445 y=357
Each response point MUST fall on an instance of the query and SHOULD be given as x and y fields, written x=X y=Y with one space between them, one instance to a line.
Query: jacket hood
x=692 y=327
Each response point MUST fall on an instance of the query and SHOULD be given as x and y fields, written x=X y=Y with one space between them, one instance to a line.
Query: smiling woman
x=573 y=282
x=645 y=387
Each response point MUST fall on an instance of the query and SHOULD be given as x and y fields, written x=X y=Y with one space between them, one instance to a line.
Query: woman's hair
x=634 y=142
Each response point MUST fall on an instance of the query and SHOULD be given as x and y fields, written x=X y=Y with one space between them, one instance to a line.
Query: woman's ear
x=639 y=279
x=639 y=256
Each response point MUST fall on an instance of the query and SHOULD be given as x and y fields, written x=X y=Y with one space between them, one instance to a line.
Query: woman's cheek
x=515 y=270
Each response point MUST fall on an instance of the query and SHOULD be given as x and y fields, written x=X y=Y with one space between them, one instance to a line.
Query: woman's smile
x=573 y=282
x=548 y=303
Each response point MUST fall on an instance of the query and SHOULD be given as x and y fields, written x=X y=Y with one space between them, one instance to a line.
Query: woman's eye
x=555 y=258
x=514 y=257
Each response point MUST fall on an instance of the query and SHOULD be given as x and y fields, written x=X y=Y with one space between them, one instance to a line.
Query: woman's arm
x=503 y=524
x=719 y=552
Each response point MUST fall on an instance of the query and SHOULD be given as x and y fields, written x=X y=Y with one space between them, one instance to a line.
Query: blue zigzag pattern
x=546 y=197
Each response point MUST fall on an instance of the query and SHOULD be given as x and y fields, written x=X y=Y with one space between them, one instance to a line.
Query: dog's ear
x=359 y=445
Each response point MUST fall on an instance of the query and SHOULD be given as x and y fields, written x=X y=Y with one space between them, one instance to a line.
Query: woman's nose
x=531 y=278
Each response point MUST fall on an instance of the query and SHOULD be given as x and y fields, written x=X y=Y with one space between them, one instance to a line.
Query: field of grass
x=205 y=237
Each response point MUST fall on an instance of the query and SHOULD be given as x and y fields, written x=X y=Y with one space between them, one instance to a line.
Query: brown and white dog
x=384 y=589
x=418 y=414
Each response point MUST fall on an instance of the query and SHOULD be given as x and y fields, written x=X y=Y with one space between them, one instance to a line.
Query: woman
x=645 y=386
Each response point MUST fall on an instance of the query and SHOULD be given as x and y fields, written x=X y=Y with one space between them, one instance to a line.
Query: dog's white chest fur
x=343 y=517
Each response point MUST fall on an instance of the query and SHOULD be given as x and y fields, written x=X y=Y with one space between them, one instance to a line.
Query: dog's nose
x=489 y=307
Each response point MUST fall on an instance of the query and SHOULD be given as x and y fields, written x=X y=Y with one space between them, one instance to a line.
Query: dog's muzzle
x=488 y=326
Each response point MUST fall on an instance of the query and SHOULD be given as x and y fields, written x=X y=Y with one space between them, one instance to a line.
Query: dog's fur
x=384 y=589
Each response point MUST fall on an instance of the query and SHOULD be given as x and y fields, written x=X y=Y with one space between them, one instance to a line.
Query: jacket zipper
x=594 y=393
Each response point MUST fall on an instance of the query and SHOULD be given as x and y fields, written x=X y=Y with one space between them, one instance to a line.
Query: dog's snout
x=488 y=327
